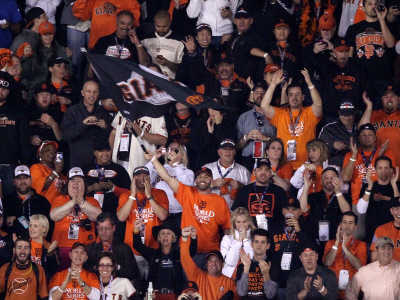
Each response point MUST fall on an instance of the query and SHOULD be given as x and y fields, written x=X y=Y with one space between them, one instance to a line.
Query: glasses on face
x=260 y=121
x=105 y=266
x=104 y=228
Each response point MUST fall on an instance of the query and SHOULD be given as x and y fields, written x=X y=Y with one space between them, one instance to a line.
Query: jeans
x=76 y=40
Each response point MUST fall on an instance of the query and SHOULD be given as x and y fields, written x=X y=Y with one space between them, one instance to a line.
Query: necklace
x=30 y=269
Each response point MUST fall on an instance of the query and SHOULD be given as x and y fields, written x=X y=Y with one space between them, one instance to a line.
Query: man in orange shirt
x=356 y=164
x=200 y=208
x=146 y=203
x=385 y=120
x=22 y=279
x=212 y=283
x=346 y=254
x=295 y=124
x=75 y=282
x=390 y=229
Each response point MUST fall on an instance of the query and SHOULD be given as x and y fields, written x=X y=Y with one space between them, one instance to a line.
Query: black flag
x=138 y=91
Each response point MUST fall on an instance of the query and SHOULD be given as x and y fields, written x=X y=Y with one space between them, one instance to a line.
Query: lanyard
x=259 y=120
x=120 y=47
x=141 y=206
x=281 y=54
x=296 y=122
x=367 y=162
x=28 y=198
x=227 y=172
x=289 y=237
x=109 y=289
x=262 y=196
x=185 y=125
x=327 y=204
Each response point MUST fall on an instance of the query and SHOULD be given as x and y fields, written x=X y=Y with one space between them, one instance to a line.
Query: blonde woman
x=240 y=236
x=42 y=252
x=176 y=162
x=318 y=156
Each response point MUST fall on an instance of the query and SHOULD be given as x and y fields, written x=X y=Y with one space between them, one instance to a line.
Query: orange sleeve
x=346 y=159
x=57 y=279
x=276 y=118
x=328 y=248
x=181 y=194
x=92 y=280
x=134 y=7
x=122 y=200
x=191 y=270
x=362 y=252
x=82 y=9
x=38 y=178
x=42 y=291
x=2 y=276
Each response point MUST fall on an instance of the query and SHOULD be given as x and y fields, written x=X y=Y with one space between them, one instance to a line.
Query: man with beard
x=376 y=196
x=311 y=281
x=200 y=208
x=358 y=162
x=163 y=46
x=22 y=279
x=75 y=282
x=147 y=204
x=253 y=126
x=123 y=43
x=324 y=208
x=22 y=204
x=384 y=120
x=337 y=134
x=262 y=199
x=379 y=279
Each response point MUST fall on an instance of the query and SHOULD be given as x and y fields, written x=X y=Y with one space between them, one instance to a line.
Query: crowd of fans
x=290 y=192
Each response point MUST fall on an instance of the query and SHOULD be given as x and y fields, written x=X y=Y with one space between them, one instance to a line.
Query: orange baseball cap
x=272 y=68
x=46 y=27
x=326 y=22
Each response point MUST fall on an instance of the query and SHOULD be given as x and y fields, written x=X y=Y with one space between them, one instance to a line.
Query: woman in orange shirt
x=47 y=179
x=42 y=252
x=281 y=171
x=318 y=156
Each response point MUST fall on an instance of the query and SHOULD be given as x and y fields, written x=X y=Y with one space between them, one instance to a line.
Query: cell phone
x=258 y=148
x=59 y=156
x=160 y=57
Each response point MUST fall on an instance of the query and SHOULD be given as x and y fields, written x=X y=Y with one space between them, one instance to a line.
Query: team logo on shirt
x=19 y=285
x=107 y=173
x=370 y=42
x=298 y=130
x=114 y=51
x=203 y=216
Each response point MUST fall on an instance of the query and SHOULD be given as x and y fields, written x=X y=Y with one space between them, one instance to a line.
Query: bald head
x=90 y=92
x=162 y=22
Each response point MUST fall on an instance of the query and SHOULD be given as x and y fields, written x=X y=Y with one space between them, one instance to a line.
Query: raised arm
x=387 y=35
x=162 y=172
x=304 y=195
x=366 y=117
x=266 y=106
x=349 y=168
x=315 y=96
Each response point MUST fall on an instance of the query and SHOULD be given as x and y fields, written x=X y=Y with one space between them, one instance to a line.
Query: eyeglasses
x=104 y=228
x=260 y=121
x=105 y=266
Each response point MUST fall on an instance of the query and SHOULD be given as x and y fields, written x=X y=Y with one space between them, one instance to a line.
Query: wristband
x=83 y=202
x=140 y=45
x=151 y=198
x=251 y=92
x=51 y=178
x=311 y=87
x=265 y=55
x=334 y=247
x=55 y=173
x=62 y=291
x=367 y=192
x=352 y=159
x=132 y=198
x=141 y=133
x=339 y=194
x=245 y=138
x=100 y=102
x=321 y=290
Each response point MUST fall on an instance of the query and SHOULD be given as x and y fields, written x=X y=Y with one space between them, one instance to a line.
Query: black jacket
x=122 y=253
x=13 y=206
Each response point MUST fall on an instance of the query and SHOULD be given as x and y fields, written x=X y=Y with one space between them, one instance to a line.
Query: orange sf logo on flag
x=195 y=99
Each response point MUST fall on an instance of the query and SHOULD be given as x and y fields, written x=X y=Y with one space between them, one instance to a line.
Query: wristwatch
x=83 y=284
x=151 y=198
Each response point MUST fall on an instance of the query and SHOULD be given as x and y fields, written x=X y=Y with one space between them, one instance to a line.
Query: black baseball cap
x=241 y=12
x=42 y=88
x=367 y=126
x=394 y=202
x=227 y=143
x=5 y=80
x=263 y=162
x=340 y=44
x=55 y=60
x=190 y=286
x=291 y=202
x=215 y=253
x=330 y=168
x=77 y=244
x=346 y=108
x=202 y=26
x=203 y=170
x=140 y=170
x=224 y=57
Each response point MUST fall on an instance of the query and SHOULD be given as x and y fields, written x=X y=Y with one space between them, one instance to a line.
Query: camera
x=381 y=7
x=85 y=223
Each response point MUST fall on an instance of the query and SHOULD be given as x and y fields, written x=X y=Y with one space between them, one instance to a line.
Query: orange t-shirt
x=22 y=284
x=304 y=131
x=39 y=173
x=211 y=288
x=62 y=227
x=103 y=19
x=387 y=128
x=36 y=252
x=205 y=212
x=147 y=214
x=360 y=170
x=391 y=231
x=73 y=289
